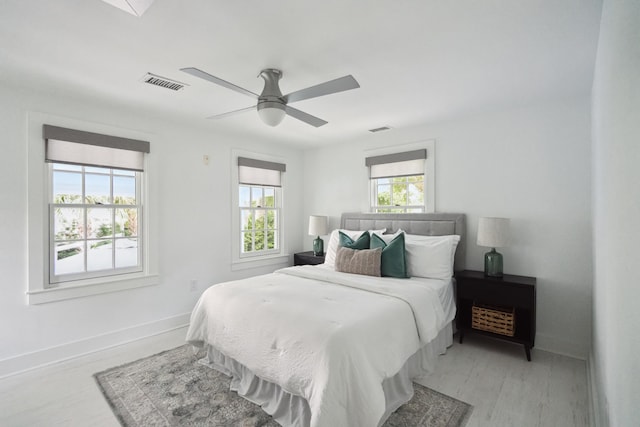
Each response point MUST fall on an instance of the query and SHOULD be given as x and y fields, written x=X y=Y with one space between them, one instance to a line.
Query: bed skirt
x=289 y=409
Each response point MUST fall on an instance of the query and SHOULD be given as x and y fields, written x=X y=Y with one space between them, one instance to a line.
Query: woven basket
x=499 y=320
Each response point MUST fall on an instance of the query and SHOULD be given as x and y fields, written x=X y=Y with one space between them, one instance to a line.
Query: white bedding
x=329 y=337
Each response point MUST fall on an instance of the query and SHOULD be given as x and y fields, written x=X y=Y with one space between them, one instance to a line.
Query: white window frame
x=429 y=172
x=38 y=290
x=385 y=209
x=239 y=260
x=277 y=208
x=58 y=280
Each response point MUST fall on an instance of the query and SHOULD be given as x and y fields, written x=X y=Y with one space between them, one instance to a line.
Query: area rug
x=172 y=389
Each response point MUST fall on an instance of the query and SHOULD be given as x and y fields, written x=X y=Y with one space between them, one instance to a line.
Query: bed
x=318 y=347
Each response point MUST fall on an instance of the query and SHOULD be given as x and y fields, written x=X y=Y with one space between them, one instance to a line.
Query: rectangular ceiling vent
x=164 y=82
x=379 y=129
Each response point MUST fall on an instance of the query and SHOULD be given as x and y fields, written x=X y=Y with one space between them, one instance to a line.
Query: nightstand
x=480 y=297
x=307 y=258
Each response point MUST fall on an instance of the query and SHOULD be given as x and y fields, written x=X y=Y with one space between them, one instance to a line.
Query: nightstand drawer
x=495 y=293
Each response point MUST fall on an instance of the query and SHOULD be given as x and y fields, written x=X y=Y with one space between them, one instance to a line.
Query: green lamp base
x=318 y=246
x=493 y=264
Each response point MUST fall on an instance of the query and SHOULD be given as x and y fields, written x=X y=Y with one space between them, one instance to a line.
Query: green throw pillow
x=394 y=259
x=348 y=242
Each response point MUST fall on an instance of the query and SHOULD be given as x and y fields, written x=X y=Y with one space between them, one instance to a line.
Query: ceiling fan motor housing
x=271 y=89
x=271 y=97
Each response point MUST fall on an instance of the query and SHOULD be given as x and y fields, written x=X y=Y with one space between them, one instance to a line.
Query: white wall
x=192 y=216
x=529 y=164
x=616 y=215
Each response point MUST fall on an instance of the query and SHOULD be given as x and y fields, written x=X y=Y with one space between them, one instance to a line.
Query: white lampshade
x=271 y=113
x=318 y=225
x=493 y=232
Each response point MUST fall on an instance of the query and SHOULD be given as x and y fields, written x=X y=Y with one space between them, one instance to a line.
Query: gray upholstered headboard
x=427 y=224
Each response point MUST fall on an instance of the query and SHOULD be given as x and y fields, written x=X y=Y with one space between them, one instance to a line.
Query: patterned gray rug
x=172 y=389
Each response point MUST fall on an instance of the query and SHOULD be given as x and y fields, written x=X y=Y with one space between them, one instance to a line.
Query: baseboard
x=48 y=356
x=564 y=347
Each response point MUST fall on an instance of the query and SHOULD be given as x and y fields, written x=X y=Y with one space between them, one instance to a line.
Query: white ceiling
x=417 y=61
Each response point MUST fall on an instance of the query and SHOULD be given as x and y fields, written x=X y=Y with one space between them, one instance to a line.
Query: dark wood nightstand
x=516 y=293
x=307 y=258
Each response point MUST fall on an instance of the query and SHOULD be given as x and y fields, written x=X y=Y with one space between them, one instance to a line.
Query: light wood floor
x=506 y=390
x=494 y=377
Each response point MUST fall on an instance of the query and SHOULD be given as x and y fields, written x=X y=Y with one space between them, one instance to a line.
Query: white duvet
x=329 y=337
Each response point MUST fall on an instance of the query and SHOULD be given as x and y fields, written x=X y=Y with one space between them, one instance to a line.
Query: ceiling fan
x=272 y=105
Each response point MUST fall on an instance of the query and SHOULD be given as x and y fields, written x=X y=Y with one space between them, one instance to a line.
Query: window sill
x=91 y=287
x=257 y=262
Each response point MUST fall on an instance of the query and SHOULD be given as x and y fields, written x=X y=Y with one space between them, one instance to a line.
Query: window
x=258 y=219
x=398 y=182
x=95 y=204
x=259 y=206
x=94 y=222
x=403 y=194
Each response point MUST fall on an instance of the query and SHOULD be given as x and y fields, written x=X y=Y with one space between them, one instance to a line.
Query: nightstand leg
x=527 y=350
x=461 y=332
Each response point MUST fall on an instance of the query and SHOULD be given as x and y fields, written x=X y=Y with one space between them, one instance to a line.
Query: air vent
x=164 y=82
x=379 y=129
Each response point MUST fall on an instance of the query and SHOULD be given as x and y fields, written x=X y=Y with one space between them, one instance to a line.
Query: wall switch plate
x=193 y=285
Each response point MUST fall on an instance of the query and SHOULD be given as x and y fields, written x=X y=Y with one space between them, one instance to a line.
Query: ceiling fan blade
x=333 y=86
x=302 y=116
x=213 y=79
x=231 y=113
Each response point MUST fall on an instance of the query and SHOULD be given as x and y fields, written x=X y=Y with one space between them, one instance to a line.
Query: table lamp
x=318 y=227
x=493 y=233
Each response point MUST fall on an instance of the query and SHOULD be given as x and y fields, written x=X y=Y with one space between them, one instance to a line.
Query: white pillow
x=334 y=242
x=431 y=256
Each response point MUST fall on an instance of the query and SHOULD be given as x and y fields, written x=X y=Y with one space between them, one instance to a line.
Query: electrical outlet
x=205 y=159
x=193 y=285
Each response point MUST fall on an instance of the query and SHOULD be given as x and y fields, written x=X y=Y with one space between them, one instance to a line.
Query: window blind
x=78 y=147
x=260 y=172
x=397 y=164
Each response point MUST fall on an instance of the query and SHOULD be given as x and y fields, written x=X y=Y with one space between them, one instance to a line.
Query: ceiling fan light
x=271 y=113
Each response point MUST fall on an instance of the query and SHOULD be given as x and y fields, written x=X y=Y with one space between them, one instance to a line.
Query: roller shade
x=397 y=164
x=260 y=172
x=77 y=147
